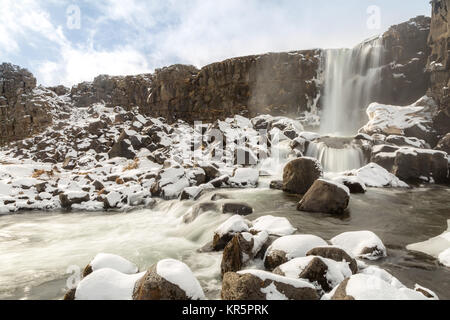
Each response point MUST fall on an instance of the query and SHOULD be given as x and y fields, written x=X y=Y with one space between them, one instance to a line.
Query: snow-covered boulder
x=290 y=247
x=244 y=177
x=326 y=273
x=276 y=226
x=369 y=287
x=300 y=174
x=111 y=261
x=107 y=284
x=364 y=244
x=376 y=176
x=73 y=197
x=262 y=285
x=336 y=254
x=325 y=196
x=168 y=280
x=226 y=231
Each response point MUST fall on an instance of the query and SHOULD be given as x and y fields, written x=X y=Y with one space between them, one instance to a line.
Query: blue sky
x=121 y=37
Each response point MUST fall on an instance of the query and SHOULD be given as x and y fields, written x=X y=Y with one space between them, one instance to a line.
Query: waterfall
x=351 y=79
x=337 y=154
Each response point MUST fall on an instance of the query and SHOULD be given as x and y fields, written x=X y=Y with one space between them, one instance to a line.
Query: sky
x=70 y=41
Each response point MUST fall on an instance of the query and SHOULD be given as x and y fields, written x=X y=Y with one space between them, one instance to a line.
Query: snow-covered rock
x=111 y=261
x=289 y=247
x=277 y=226
x=364 y=244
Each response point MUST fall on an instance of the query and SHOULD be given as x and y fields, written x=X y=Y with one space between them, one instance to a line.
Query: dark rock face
x=248 y=287
x=67 y=202
x=22 y=112
x=275 y=83
x=274 y=259
x=300 y=174
x=325 y=197
x=123 y=147
x=335 y=254
x=439 y=63
x=154 y=287
x=404 y=80
x=341 y=293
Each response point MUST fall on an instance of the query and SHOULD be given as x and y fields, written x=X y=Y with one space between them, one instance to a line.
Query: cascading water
x=351 y=81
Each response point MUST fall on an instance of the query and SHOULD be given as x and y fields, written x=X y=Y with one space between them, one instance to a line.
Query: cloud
x=78 y=65
x=136 y=36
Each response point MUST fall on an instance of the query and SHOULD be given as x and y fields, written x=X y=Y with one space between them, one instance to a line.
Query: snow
x=245 y=177
x=383 y=275
x=233 y=225
x=376 y=176
x=114 y=198
x=437 y=247
x=367 y=287
x=105 y=260
x=356 y=242
x=337 y=271
x=178 y=273
x=107 y=284
x=272 y=293
x=264 y=275
x=296 y=245
x=278 y=226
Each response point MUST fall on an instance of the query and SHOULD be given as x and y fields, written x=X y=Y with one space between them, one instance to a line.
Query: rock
x=276 y=185
x=191 y=193
x=241 y=209
x=416 y=164
x=40 y=187
x=113 y=200
x=211 y=172
x=123 y=147
x=70 y=295
x=70 y=198
x=367 y=287
x=277 y=226
x=244 y=177
x=326 y=274
x=98 y=185
x=69 y=164
x=300 y=174
x=336 y=254
x=326 y=197
x=444 y=144
x=199 y=209
x=233 y=255
x=226 y=231
x=261 y=285
x=289 y=247
x=111 y=261
x=168 y=280
x=364 y=244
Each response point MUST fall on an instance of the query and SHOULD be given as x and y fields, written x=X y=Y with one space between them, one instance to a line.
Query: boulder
x=336 y=254
x=326 y=197
x=211 y=172
x=300 y=174
x=168 y=280
x=326 y=274
x=123 y=147
x=276 y=185
x=290 y=247
x=261 y=285
x=364 y=244
x=70 y=198
x=111 y=261
x=227 y=230
x=241 y=209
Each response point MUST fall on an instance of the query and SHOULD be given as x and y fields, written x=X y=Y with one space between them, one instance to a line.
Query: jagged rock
x=300 y=174
x=123 y=147
x=336 y=254
x=233 y=255
x=227 y=230
x=261 y=285
x=211 y=172
x=326 y=197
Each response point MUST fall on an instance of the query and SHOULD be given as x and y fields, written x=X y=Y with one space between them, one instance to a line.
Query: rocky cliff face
x=23 y=110
x=404 y=76
x=439 y=63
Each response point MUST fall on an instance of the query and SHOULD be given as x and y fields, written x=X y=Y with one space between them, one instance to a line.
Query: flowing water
x=351 y=78
x=37 y=249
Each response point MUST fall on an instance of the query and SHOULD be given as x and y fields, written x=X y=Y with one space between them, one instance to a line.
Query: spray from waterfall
x=351 y=79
